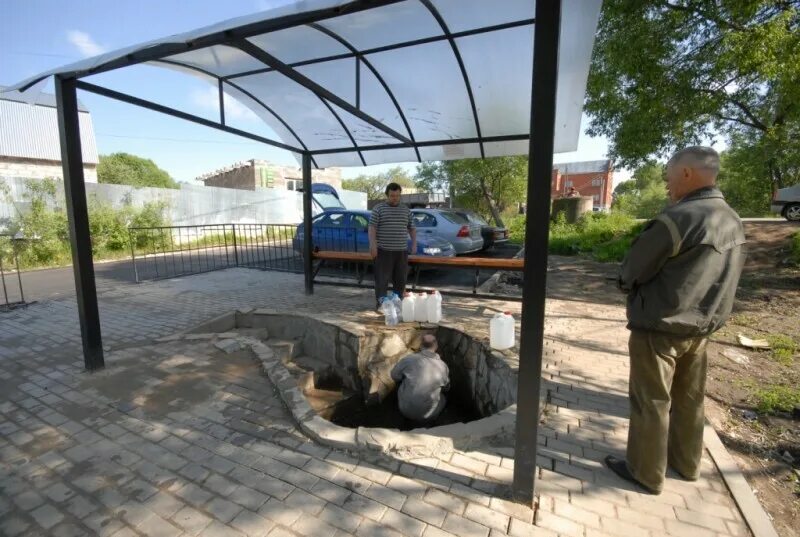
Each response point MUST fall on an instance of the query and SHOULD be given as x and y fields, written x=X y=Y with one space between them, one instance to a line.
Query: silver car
x=464 y=235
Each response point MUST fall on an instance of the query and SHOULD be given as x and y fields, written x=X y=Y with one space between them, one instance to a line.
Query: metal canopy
x=368 y=82
x=349 y=82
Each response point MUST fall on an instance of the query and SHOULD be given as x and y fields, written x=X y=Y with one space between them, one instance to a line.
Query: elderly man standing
x=422 y=377
x=680 y=276
x=390 y=225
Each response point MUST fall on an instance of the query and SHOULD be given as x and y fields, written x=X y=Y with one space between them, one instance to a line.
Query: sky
x=37 y=35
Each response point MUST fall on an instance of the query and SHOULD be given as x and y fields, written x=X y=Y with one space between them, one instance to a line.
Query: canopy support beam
x=78 y=214
x=130 y=99
x=460 y=61
x=360 y=58
x=271 y=61
x=307 y=239
x=427 y=143
x=537 y=228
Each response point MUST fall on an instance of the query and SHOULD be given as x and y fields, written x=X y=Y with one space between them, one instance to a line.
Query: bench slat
x=460 y=262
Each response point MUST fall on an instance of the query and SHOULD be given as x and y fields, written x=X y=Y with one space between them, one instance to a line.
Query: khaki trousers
x=667 y=386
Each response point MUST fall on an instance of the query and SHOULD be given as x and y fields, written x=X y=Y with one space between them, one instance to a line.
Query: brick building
x=255 y=174
x=29 y=144
x=593 y=178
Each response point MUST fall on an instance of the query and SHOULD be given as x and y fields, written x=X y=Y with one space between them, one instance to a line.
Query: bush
x=777 y=399
x=605 y=237
x=45 y=226
x=794 y=249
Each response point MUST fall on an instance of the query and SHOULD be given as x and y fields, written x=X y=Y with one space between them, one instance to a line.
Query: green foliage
x=487 y=186
x=742 y=179
x=701 y=69
x=126 y=169
x=375 y=185
x=794 y=252
x=44 y=224
x=643 y=196
x=605 y=237
x=783 y=348
x=777 y=399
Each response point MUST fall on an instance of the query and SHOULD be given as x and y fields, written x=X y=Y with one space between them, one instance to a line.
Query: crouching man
x=421 y=379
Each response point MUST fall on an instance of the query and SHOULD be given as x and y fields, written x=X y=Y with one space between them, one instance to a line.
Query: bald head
x=690 y=169
x=429 y=342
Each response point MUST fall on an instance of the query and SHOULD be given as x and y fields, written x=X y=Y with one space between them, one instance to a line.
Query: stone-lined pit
x=335 y=378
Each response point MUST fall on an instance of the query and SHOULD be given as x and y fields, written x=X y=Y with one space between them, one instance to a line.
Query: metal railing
x=13 y=293
x=165 y=252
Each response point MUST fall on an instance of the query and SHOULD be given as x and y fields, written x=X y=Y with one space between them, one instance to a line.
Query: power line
x=24 y=53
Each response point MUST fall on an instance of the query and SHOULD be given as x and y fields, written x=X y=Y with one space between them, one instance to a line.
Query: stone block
x=228 y=346
x=221 y=323
x=328 y=433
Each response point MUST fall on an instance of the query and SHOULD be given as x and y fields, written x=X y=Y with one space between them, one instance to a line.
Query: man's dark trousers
x=390 y=265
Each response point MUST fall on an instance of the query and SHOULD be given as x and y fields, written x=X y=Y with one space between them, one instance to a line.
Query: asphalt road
x=48 y=284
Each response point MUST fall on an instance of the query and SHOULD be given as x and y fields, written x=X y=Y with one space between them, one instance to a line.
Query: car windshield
x=455 y=218
x=327 y=200
x=478 y=219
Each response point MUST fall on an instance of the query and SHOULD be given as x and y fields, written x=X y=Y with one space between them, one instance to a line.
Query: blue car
x=343 y=230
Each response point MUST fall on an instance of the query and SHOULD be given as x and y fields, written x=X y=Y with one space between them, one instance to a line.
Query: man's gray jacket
x=682 y=271
x=422 y=377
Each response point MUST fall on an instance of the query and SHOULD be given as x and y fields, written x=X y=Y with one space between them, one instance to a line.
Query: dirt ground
x=766 y=445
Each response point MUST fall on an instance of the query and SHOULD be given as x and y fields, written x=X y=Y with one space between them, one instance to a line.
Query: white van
x=786 y=202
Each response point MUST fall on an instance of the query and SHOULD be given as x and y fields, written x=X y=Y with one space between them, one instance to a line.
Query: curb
x=753 y=513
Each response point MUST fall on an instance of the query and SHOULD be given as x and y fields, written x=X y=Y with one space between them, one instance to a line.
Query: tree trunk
x=495 y=213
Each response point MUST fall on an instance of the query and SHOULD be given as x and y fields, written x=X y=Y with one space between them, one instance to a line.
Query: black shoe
x=620 y=467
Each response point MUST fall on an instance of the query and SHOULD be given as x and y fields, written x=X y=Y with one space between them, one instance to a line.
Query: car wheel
x=792 y=212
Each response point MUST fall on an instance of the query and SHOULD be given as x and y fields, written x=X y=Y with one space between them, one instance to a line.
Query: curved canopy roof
x=369 y=82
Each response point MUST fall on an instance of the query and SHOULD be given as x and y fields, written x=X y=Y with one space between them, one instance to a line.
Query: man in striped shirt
x=389 y=228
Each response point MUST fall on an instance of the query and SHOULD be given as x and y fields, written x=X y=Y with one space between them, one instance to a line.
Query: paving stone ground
x=181 y=439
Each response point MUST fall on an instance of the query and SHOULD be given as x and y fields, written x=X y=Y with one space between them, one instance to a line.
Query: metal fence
x=10 y=276
x=165 y=252
x=171 y=251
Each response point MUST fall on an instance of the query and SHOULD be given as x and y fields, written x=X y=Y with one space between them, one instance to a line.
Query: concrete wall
x=192 y=205
x=40 y=169
x=254 y=174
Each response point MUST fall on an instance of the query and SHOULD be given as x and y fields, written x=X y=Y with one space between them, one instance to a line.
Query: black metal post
x=537 y=228
x=78 y=214
x=307 y=242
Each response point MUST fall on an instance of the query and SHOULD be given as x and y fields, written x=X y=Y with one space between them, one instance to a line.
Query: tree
x=375 y=185
x=741 y=179
x=126 y=169
x=488 y=186
x=700 y=69
x=645 y=194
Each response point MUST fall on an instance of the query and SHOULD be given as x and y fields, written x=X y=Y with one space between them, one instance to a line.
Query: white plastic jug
x=421 y=308
x=408 y=307
x=501 y=331
x=434 y=307
x=389 y=309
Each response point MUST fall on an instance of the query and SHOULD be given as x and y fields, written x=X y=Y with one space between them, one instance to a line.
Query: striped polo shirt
x=392 y=224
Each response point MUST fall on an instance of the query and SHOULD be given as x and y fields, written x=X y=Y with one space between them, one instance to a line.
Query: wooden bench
x=418 y=261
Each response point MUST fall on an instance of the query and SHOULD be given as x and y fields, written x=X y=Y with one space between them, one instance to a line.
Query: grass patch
x=604 y=237
x=777 y=399
x=794 y=249
x=783 y=348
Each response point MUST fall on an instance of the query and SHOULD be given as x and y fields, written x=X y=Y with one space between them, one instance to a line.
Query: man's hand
x=373 y=251
x=413 y=248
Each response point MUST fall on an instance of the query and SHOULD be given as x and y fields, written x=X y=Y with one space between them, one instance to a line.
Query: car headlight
x=432 y=251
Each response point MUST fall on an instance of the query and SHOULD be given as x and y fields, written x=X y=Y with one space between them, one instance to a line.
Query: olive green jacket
x=682 y=271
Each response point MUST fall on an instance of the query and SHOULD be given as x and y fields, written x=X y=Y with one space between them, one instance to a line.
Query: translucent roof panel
x=382 y=74
x=299 y=107
x=461 y=15
x=496 y=62
x=389 y=25
x=298 y=44
x=220 y=60
x=430 y=88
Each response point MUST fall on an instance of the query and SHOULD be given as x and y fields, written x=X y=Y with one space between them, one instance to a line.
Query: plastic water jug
x=389 y=309
x=421 y=308
x=501 y=331
x=434 y=307
x=408 y=307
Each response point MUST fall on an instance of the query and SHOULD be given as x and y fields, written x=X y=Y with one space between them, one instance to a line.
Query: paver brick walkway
x=177 y=439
